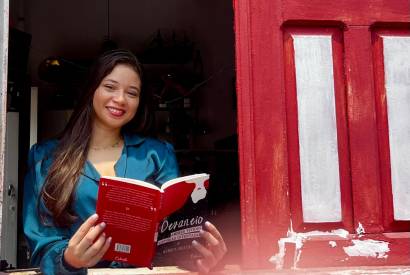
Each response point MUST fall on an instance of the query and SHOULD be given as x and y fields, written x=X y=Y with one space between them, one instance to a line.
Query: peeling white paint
x=332 y=244
x=372 y=270
x=278 y=258
x=367 y=248
x=360 y=230
x=298 y=239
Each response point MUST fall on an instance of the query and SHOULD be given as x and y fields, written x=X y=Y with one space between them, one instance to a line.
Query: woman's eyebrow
x=116 y=82
x=112 y=80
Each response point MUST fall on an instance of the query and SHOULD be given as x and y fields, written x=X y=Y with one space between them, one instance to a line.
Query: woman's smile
x=116 y=112
x=117 y=98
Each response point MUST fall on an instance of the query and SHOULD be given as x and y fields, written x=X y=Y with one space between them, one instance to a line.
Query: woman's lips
x=115 y=112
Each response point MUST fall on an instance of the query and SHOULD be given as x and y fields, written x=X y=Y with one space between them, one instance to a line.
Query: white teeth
x=115 y=111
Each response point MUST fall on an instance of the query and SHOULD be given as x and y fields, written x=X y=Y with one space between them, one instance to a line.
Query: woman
x=100 y=139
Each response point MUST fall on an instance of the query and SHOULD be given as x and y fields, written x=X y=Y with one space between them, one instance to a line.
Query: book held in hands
x=134 y=209
x=176 y=233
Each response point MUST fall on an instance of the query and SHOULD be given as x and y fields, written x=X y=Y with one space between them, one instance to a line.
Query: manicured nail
x=102 y=225
x=194 y=242
x=109 y=240
x=94 y=216
x=207 y=224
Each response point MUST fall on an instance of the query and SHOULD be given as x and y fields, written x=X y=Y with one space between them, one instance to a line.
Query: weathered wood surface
x=237 y=270
x=4 y=25
x=267 y=166
x=383 y=88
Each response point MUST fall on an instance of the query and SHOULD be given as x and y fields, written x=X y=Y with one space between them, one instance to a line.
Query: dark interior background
x=187 y=49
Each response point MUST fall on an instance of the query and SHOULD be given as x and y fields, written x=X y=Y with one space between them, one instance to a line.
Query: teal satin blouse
x=141 y=158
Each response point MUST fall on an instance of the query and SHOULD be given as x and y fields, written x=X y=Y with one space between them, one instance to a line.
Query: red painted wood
x=362 y=130
x=292 y=133
x=262 y=111
x=270 y=126
x=350 y=12
x=319 y=253
x=250 y=235
x=265 y=160
x=382 y=122
x=342 y=130
x=293 y=136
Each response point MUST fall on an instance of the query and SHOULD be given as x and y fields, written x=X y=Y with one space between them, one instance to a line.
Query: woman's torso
x=141 y=158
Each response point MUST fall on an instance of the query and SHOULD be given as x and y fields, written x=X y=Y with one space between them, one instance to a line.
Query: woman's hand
x=213 y=252
x=87 y=246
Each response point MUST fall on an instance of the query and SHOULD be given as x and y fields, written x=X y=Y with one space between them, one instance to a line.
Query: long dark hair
x=69 y=158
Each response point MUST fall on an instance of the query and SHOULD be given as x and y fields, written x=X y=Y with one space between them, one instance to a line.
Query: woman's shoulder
x=42 y=150
x=148 y=142
x=159 y=143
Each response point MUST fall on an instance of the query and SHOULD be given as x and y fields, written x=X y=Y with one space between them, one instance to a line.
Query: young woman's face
x=117 y=97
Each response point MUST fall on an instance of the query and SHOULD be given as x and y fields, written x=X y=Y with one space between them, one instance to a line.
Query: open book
x=133 y=209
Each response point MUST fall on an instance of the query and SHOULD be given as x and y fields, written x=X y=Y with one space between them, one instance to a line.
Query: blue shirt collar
x=132 y=139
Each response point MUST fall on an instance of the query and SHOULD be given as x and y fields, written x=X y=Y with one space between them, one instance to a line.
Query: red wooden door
x=324 y=134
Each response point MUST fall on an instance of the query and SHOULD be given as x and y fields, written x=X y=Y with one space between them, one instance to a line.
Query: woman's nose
x=119 y=96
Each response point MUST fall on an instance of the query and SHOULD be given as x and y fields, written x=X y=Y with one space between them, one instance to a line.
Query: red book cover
x=132 y=210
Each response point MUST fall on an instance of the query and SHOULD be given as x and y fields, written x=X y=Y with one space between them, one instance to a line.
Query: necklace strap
x=115 y=145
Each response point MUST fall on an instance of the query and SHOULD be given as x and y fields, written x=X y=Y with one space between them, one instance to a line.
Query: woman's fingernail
x=94 y=216
x=207 y=224
x=102 y=225
x=109 y=240
x=194 y=242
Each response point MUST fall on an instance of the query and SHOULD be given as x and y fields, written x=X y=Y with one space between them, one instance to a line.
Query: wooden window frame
x=390 y=225
x=264 y=158
x=262 y=128
x=295 y=193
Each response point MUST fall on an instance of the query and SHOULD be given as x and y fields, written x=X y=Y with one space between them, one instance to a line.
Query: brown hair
x=70 y=155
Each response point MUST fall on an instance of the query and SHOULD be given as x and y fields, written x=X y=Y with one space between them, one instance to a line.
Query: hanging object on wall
x=58 y=70
x=108 y=44
x=168 y=48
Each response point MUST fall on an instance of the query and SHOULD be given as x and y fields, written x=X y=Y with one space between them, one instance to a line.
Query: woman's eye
x=133 y=94
x=109 y=87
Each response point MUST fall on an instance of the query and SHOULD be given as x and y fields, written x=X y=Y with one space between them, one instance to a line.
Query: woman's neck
x=104 y=138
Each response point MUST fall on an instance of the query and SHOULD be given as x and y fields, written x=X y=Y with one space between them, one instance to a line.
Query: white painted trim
x=397 y=82
x=319 y=160
x=4 y=30
x=298 y=239
x=9 y=233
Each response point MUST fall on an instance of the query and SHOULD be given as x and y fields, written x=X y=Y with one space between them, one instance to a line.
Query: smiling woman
x=117 y=98
x=115 y=103
x=104 y=137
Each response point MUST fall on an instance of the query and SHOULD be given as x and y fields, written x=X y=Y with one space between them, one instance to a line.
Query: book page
x=132 y=181
x=190 y=178
x=176 y=195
